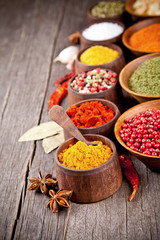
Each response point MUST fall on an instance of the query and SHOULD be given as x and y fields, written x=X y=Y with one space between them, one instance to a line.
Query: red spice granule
x=142 y=132
x=90 y=114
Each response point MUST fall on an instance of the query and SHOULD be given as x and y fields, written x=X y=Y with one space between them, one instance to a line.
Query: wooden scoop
x=58 y=114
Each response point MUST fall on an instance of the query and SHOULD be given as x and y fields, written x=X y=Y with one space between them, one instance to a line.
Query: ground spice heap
x=102 y=31
x=97 y=55
x=108 y=9
x=146 y=79
x=90 y=114
x=81 y=156
x=146 y=39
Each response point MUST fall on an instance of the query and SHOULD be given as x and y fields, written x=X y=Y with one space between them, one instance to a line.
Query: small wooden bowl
x=135 y=16
x=93 y=19
x=112 y=94
x=115 y=65
x=85 y=43
x=151 y=162
x=126 y=73
x=134 y=28
x=105 y=129
x=94 y=184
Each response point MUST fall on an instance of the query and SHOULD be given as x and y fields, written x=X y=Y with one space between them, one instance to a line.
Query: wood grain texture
x=32 y=33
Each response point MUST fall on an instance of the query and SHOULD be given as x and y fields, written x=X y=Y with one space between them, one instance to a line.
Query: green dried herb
x=108 y=9
x=146 y=79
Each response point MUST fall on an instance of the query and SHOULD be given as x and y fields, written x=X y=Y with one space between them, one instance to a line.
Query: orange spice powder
x=146 y=39
x=90 y=114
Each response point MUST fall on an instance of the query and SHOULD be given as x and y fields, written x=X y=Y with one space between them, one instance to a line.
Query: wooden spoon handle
x=58 y=114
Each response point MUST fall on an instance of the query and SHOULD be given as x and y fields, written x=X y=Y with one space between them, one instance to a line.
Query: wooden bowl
x=105 y=129
x=94 y=184
x=115 y=65
x=93 y=19
x=135 y=16
x=126 y=73
x=85 y=43
x=150 y=161
x=112 y=94
x=134 y=28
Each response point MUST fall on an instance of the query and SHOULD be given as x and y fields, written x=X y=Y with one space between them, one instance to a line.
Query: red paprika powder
x=90 y=114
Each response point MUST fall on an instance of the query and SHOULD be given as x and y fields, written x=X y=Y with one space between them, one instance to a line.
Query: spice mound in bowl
x=141 y=77
x=143 y=37
x=143 y=8
x=109 y=56
x=80 y=156
x=98 y=55
x=146 y=78
x=105 y=10
x=138 y=130
x=97 y=83
x=78 y=165
x=101 y=33
x=96 y=80
x=95 y=116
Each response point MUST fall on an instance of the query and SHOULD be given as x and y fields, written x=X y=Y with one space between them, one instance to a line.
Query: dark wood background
x=32 y=33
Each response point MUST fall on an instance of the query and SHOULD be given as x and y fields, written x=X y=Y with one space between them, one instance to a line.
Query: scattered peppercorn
x=142 y=132
x=94 y=81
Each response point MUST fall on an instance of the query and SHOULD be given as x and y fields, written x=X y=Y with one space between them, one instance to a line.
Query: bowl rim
x=117 y=135
x=90 y=170
x=126 y=32
x=117 y=112
x=87 y=94
x=130 y=11
x=104 y=40
x=151 y=55
x=106 y=18
x=109 y=45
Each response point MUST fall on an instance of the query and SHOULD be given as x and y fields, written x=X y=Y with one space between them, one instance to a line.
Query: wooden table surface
x=32 y=33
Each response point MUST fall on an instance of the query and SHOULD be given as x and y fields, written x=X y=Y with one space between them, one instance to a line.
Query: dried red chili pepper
x=64 y=78
x=58 y=94
x=130 y=173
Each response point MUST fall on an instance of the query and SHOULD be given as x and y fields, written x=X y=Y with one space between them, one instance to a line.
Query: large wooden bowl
x=94 y=184
x=105 y=129
x=126 y=73
x=134 y=28
x=85 y=43
x=93 y=19
x=115 y=65
x=151 y=162
x=112 y=94
x=135 y=16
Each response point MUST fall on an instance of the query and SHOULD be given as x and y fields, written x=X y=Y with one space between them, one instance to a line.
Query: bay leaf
x=41 y=131
x=51 y=143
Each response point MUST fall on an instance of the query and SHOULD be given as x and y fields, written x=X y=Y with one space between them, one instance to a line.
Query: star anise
x=58 y=200
x=42 y=183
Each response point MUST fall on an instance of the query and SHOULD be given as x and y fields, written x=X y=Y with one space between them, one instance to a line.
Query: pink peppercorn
x=142 y=132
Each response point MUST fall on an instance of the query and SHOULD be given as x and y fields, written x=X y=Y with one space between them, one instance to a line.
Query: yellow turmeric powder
x=80 y=156
x=96 y=55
